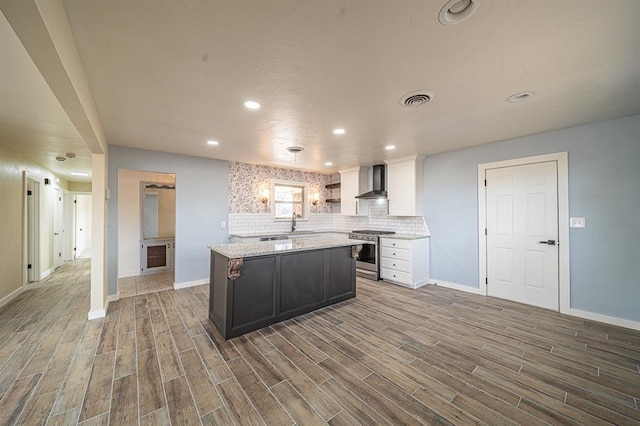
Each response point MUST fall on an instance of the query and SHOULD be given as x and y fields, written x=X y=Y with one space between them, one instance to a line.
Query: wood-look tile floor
x=390 y=356
x=143 y=284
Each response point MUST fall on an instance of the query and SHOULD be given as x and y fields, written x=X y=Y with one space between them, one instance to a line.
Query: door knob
x=549 y=242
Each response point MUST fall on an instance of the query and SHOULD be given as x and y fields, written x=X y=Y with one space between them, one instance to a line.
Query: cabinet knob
x=394 y=244
x=394 y=264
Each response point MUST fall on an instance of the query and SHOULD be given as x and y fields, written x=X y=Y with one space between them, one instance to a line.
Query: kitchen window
x=289 y=198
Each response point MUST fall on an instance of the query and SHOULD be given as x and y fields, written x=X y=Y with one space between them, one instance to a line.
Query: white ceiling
x=168 y=75
x=32 y=120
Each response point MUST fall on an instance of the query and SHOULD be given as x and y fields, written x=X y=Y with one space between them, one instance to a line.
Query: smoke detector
x=417 y=98
x=457 y=11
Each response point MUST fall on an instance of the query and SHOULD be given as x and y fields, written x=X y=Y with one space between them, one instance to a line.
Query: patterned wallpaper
x=247 y=181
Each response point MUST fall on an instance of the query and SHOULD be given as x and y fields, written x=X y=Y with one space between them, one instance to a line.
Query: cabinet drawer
x=391 y=242
x=396 y=264
x=395 y=253
x=397 y=276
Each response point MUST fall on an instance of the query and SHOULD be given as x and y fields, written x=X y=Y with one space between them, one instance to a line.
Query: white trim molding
x=460 y=287
x=564 y=278
x=100 y=313
x=46 y=273
x=621 y=322
x=177 y=286
x=9 y=297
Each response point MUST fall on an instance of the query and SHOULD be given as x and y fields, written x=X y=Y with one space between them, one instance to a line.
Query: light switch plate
x=223 y=224
x=577 y=222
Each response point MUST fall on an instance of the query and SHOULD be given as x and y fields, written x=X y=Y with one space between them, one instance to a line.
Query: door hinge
x=29 y=266
x=29 y=192
x=75 y=202
x=74 y=249
x=486 y=280
x=485 y=182
x=485 y=231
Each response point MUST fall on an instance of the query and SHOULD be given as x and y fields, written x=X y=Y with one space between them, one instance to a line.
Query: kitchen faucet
x=293 y=222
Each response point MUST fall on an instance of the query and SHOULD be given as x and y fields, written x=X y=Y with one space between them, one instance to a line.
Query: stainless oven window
x=367 y=254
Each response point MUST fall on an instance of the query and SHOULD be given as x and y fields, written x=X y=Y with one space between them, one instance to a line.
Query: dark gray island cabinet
x=254 y=285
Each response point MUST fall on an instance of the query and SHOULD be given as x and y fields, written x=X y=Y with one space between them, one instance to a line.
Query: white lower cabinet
x=405 y=262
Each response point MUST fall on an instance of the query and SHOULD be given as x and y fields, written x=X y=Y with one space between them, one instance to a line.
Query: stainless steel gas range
x=368 y=261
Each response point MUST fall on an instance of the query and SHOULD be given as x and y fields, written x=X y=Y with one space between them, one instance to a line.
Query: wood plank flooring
x=390 y=356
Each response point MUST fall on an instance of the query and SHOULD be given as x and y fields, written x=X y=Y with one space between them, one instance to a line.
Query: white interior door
x=33 y=219
x=522 y=234
x=83 y=225
x=57 y=228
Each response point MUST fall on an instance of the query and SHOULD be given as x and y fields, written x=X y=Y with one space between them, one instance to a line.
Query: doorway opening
x=523 y=230
x=82 y=226
x=146 y=232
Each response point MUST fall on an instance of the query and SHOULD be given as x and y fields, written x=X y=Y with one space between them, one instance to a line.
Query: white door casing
x=57 y=228
x=83 y=224
x=522 y=229
x=535 y=254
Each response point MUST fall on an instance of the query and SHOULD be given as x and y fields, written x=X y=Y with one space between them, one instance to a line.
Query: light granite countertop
x=263 y=248
x=287 y=233
x=405 y=236
x=329 y=233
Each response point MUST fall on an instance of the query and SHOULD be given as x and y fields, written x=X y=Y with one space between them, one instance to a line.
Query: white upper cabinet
x=405 y=188
x=353 y=182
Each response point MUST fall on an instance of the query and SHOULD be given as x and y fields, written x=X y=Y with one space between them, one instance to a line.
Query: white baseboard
x=46 y=273
x=621 y=322
x=9 y=297
x=113 y=297
x=177 y=286
x=454 y=286
x=99 y=313
x=127 y=274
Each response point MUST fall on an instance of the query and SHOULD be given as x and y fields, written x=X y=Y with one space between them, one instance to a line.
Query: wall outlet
x=577 y=222
x=223 y=224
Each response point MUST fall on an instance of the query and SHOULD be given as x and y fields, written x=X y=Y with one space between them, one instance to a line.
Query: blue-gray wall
x=201 y=204
x=604 y=187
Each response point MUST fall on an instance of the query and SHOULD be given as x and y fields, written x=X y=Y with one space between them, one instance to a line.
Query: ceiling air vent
x=417 y=98
x=295 y=149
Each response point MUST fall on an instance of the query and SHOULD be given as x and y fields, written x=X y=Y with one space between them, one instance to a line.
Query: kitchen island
x=254 y=285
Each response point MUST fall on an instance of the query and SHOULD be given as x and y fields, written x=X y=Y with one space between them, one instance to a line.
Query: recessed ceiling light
x=339 y=131
x=252 y=105
x=79 y=174
x=390 y=147
x=328 y=163
x=213 y=143
x=518 y=97
x=457 y=11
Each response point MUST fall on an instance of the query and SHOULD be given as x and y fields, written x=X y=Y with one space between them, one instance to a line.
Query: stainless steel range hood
x=379 y=184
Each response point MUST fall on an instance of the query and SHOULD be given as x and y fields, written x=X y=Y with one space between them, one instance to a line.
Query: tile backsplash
x=248 y=215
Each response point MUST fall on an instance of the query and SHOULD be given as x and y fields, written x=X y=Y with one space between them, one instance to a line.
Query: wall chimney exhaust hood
x=379 y=184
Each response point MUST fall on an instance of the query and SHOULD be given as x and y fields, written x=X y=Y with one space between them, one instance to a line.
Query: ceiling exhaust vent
x=417 y=98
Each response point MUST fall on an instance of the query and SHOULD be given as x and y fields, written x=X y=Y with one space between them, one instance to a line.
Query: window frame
x=305 y=199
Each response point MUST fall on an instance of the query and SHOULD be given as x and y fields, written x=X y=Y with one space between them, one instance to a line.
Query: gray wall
x=201 y=204
x=604 y=187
